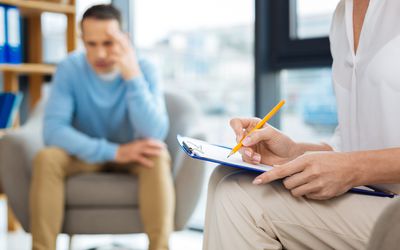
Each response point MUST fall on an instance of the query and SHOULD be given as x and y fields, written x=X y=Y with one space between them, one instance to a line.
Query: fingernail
x=238 y=138
x=257 y=181
x=248 y=153
x=246 y=141
x=257 y=157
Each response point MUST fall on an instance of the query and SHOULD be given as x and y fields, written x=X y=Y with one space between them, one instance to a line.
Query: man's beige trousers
x=244 y=216
x=47 y=198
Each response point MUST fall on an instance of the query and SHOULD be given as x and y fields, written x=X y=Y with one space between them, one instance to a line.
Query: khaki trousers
x=47 y=197
x=244 y=216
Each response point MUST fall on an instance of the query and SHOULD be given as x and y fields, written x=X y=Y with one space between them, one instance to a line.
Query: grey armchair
x=102 y=202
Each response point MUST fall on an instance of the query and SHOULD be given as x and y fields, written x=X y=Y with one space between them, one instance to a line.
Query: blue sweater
x=89 y=117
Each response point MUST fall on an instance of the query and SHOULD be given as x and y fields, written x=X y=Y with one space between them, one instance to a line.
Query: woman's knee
x=219 y=173
x=236 y=184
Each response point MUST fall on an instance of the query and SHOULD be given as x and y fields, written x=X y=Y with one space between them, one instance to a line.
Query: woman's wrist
x=372 y=167
x=364 y=166
x=302 y=148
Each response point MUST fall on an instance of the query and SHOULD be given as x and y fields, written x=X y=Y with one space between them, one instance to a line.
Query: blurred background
x=236 y=58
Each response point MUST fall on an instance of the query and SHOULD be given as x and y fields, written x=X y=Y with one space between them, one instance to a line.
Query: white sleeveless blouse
x=367 y=84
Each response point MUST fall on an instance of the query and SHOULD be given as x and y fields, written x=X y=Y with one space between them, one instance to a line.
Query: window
x=204 y=48
x=310 y=113
x=311 y=18
x=293 y=62
x=279 y=28
x=54 y=28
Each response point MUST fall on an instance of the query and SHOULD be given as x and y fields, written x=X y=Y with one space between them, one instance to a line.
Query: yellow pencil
x=258 y=126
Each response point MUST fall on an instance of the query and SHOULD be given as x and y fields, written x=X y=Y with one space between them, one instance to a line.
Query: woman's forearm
x=309 y=147
x=376 y=166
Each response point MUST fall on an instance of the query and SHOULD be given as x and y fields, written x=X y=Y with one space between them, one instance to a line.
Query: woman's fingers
x=241 y=125
x=248 y=155
x=238 y=128
x=297 y=180
x=278 y=172
x=263 y=134
x=304 y=190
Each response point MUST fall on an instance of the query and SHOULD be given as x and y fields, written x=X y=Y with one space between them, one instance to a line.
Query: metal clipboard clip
x=192 y=148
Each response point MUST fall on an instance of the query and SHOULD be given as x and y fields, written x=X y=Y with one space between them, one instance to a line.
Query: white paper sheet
x=218 y=154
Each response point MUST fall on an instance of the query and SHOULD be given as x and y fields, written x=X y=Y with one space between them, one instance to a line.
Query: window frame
x=126 y=9
x=291 y=52
x=276 y=49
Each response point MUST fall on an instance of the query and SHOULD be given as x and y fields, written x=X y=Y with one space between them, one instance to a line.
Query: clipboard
x=205 y=151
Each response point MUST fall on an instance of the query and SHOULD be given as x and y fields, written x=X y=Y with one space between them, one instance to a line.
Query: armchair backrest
x=184 y=115
x=183 y=112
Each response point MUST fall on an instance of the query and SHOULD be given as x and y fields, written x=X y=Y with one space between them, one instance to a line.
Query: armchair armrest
x=17 y=149
x=189 y=180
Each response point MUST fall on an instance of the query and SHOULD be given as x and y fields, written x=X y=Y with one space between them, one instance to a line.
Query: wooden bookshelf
x=34 y=67
x=33 y=7
x=35 y=71
x=28 y=68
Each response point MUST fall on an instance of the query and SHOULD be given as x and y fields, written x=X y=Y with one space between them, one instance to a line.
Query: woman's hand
x=266 y=145
x=319 y=176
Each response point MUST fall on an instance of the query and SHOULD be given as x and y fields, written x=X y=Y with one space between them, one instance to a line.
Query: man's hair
x=102 y=12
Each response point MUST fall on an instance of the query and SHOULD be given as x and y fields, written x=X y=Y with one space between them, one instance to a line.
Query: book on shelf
x=10 y=35
x=9 y=106
x=2 y=34
x=13 y=34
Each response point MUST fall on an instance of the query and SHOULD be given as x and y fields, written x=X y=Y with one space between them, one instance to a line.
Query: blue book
x=2 y=34
x=3 y=109
x=14 y=110
x=6 y=108
x=13 y=35
x=2 y=100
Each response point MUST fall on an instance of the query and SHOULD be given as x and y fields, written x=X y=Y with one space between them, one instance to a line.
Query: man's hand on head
x=139 y=151
x=124 y=55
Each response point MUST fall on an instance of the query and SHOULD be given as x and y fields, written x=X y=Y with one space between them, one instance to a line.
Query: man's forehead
x=98 y=27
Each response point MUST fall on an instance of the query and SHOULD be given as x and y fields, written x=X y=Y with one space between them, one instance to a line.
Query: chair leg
x=12 y=222
x=113 y=245
x=70 y=241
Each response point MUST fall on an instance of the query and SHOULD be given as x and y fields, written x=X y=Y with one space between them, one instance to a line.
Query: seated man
x=302 y=203
x=106 y=110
